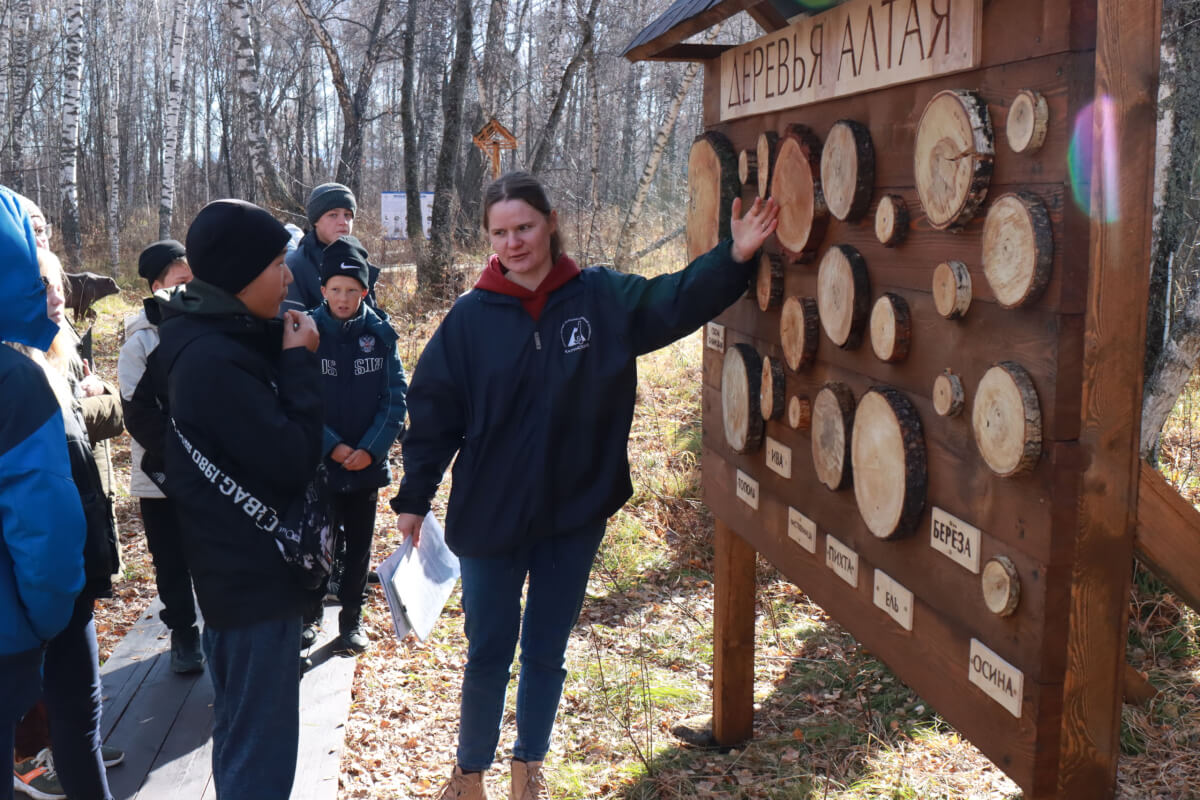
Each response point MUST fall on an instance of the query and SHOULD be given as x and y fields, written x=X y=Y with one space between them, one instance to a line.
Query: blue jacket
x=363 y=385
x=539 y=412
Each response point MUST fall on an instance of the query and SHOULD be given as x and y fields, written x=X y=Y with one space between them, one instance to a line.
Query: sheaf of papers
x=417 y=581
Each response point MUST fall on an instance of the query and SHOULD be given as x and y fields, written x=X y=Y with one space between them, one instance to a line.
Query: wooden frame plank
x=1168 y=535
x=733 y=638
x=1127 y=58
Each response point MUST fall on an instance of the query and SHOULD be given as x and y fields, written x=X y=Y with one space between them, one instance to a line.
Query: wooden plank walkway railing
x=163 y=721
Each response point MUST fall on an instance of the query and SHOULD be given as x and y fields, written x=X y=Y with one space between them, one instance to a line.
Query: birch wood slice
x=843 y=295
x=748 y=166
x=1007 y=420
x=764 y=150
x=1028 y=121
x=891 y=220
x=799 y=413
x=712 y=185
x=953 y=157
x=888 y=461
x=796 y=187
x=772 y=389
x=799 y=331
x=891 y=328
x=948 y=395
x=769 y=283
x=1001 y=586
x=741 y=377
x=951 y=289
x=848 y=170
x=832 y=422
x=1018 y=248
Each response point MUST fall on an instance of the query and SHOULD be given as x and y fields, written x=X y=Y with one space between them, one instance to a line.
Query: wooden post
x=1127 y=58
x=733 y=637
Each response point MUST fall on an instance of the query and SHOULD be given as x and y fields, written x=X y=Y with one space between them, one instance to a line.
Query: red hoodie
x=493 y=280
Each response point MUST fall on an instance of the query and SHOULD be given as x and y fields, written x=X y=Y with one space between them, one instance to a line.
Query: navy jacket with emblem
x=363 y=385
x=539 y=412
x=251 y=413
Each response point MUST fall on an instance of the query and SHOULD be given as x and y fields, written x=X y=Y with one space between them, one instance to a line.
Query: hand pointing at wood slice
x=750 y=231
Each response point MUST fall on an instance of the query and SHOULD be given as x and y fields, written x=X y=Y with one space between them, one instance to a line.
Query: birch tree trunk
x=22 y=13
x=166 y=203
x=408 y=129
x=620 y=257
x=545 y=138
x=112 y=145
x=266 y=179
x=433 y=270
x=69 y=140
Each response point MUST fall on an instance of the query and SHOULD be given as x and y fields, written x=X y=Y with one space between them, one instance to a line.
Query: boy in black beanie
x=245 y=434
x=330 y=208
x=163 y=265
x=363 y=384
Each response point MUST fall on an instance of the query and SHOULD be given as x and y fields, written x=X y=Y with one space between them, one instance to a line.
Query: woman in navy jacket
x=531 y=380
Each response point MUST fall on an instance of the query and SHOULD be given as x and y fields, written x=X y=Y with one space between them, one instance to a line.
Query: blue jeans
x=20 y=682
x=255 y=672
x=71 y=690
x=558 y=569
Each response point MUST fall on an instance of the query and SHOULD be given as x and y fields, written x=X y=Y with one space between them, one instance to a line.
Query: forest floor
x=831 y=721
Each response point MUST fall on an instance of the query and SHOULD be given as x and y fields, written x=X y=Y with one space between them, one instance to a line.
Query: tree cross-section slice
x=796 y=187
x=891 y=328
x=772 y=391
x=843 y=295
x=769 y=282
x=953 y=157
x=888 y=461
x=832 y=422
x=848 y=170
x=1028 y=121
x=799 y=331
x=712 y=186
x=891 y=220
x=741 y=378
x=764 y=150
x=1007 y=420
x=1018 y=248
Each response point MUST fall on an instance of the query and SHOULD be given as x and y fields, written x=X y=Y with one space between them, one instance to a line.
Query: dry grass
x=831 y=721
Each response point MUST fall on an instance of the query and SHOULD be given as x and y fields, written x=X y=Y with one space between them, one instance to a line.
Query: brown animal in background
x=85 y=288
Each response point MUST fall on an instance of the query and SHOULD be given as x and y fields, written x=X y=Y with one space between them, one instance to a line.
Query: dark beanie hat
x=155 y=259
x=345 y=256
x=230 y=242
x=327 y=197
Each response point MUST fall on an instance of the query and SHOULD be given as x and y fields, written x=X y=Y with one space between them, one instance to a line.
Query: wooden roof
x=662 y=39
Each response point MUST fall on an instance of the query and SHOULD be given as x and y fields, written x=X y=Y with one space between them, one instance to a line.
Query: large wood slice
x=832 y=423
x=748 y=167
x=1018 y=248
x=1007 y=420
x=1028 y=121
x=769 y=283
x=712 y=185
x=848 y=170
x=796 y=187
x=891 y=328
x=799 y=331
x=951 y=289
x=772 y=390
x=764 y=149
x=843 y=295
x=953 y=157
x=741 y=378
x=891 y=220
x=888 y=459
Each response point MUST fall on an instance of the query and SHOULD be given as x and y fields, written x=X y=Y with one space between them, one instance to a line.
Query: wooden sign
x=802 y=530
x=747 y=490
x=998 y=679
x=955 y=539
x=714 y=337
x=894 y=599
x=779 y=458
x=856 y=47
x=842 y=560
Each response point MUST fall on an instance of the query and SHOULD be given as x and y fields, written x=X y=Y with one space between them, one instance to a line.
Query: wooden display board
x=969 y=517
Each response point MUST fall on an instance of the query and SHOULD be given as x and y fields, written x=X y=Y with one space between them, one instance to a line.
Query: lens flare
x=1095 y=127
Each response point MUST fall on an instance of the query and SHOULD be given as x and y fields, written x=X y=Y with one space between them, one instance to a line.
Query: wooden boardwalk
x=163 y=721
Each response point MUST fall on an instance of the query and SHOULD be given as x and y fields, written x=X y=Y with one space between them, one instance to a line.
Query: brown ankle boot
x=527 y=780
x=464 y=786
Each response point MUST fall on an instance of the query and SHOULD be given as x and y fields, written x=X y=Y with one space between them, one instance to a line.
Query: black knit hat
x=327 y=197
x=345 y=256
x=155 y=259
x=230 y=242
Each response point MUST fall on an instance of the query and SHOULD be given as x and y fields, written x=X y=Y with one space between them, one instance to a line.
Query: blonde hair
x=61 y=354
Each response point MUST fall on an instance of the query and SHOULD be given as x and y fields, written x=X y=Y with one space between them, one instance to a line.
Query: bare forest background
x=124 y=117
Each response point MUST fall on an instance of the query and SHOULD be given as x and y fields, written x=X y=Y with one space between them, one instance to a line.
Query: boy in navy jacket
x=363 y=384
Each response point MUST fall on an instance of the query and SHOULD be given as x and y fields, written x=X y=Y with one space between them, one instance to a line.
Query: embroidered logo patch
x=366 y=343
x=576 y=334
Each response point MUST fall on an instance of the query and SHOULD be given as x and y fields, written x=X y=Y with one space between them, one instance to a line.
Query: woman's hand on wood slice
x=410 y=525
x=750 y=231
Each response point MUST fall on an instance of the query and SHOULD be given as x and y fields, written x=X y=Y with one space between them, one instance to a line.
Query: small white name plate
x=714 y=337
x=802 y=530
x=955 y=539
x=747 y=490
x=779 y=457
x=999 y=679
x=842 y=560
x=894 y=599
